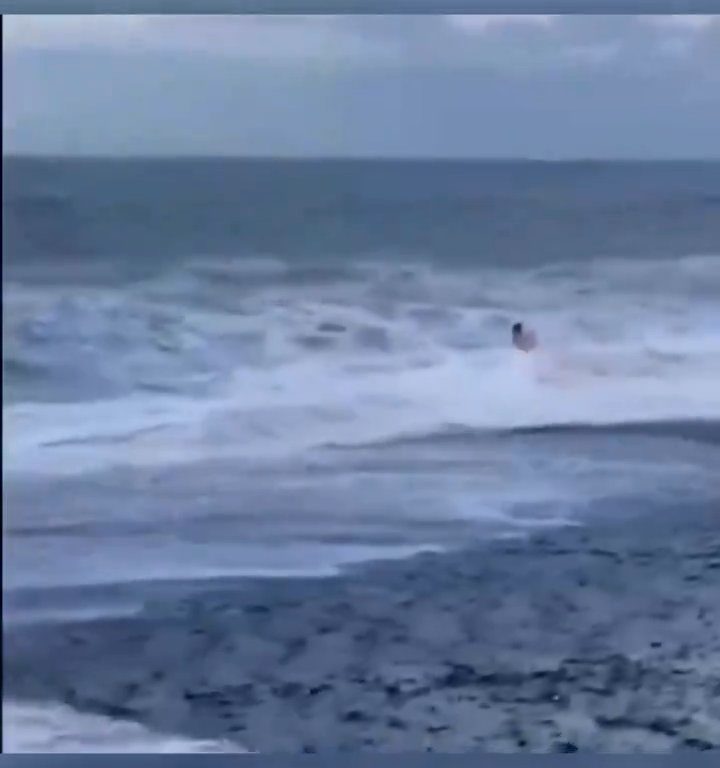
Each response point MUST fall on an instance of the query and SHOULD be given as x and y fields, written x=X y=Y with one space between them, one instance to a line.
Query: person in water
x=523 y=339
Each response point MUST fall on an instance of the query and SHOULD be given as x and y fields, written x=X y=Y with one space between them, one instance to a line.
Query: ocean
x=221 y=368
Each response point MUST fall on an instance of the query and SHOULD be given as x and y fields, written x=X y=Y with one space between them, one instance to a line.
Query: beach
x=276 y=480
x=604 y=637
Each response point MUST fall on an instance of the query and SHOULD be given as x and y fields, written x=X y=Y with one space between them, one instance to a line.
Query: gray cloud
x=364 y=85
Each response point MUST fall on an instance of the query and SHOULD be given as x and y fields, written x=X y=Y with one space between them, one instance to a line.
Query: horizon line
x=353 y=158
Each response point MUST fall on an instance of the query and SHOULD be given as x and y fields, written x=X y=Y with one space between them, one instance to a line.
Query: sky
x=538 y=86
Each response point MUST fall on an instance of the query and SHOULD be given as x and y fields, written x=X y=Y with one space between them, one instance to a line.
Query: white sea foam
x=56 y=728
x=381 y=353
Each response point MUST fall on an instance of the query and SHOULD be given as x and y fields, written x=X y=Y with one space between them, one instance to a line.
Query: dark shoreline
x=604 y=637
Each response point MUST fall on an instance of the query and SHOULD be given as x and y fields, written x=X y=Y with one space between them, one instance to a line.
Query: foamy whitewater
x=180 y=410
x=306 y=423
x=158 y=373
x=54 y=728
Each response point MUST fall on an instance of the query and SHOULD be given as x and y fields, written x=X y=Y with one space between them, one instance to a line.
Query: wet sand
x=604 y=637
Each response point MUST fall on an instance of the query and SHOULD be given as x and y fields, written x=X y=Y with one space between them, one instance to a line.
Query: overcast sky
x=478 y=86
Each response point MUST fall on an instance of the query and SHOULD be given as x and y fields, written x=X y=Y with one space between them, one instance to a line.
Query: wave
x=698 y=431
x=190 y=367
x=57 y=728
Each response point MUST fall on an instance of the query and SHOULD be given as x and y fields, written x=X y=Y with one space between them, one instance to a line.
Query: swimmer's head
x=522 y=339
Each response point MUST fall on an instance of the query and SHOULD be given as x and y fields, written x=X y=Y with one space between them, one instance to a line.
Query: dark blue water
x=131 y=217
